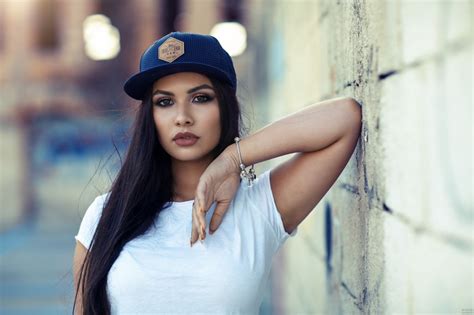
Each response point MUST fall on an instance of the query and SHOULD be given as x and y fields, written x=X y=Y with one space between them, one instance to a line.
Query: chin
x=188 y=156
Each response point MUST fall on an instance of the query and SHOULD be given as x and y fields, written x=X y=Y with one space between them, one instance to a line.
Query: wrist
x=231 y=153
x=236 y=157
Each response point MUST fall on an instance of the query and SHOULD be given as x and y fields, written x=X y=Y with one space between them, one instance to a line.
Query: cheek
x=158 y=120
x=214 y=122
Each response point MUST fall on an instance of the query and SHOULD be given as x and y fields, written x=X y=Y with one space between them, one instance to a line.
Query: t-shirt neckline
x=182 y=203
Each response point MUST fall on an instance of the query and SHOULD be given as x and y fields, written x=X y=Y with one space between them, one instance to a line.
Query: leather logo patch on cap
x=171 y=49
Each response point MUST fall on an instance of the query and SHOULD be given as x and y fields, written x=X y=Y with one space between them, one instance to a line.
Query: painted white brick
x=323 y=72
x=450 y=144
x=348 y=237
x=420 y=21
x=458 y=16
x=424 y=274
x=426 y=132
x=348 y=304
x=398 y=276
x=402 y=125
x=442 y=276
x=388 y=36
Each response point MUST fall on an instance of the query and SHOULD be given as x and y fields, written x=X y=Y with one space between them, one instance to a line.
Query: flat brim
x=137 y=85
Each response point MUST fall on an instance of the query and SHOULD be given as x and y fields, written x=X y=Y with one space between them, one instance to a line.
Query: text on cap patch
x=171 y=49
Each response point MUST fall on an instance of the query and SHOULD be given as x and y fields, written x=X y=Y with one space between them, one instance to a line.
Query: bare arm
x=79 y=256
x=310 y=129
x=324 y=135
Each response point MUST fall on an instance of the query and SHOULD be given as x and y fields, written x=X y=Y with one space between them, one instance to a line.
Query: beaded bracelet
x=250 y=175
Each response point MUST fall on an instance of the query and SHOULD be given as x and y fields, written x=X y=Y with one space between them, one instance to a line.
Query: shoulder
x=91 y=219
x=102 y=199
x=97 y=205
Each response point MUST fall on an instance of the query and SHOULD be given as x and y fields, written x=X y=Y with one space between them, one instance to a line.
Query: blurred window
x=169 y=11
x=47 y=30
x=233 y=10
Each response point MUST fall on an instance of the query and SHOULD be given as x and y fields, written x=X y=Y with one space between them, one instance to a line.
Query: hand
x=219 y=182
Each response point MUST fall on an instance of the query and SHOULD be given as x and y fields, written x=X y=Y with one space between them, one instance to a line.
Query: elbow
x=354 y=103
x=355 y=115
x=356 y=109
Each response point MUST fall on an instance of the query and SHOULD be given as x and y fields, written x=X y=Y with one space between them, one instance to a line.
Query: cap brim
x=137 y=85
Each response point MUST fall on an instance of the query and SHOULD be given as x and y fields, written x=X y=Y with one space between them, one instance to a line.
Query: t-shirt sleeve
x=263 y=195
x=90 y=221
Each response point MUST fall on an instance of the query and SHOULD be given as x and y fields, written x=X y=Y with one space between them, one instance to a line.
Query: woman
x=137 y=249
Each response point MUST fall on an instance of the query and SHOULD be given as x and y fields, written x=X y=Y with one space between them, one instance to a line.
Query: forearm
x=307 y=130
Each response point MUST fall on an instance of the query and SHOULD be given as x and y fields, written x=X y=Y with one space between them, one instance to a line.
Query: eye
x=203 y=98
x=163 y=102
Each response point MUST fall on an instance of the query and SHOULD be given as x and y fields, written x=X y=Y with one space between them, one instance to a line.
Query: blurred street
x=35 y=268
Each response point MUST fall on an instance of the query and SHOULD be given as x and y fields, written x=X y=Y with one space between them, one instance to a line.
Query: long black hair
x=142 y=188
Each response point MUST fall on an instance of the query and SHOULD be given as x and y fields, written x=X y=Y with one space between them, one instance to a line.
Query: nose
x=183 y=116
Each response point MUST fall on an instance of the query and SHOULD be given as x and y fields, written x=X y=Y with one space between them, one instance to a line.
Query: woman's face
x=186 y=102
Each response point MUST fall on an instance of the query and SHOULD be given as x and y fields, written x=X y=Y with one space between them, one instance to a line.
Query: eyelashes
x=167 y=101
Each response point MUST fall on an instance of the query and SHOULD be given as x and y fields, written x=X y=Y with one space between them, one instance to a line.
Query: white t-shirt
x=159 y=273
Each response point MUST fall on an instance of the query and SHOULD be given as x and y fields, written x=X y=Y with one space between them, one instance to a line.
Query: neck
x=186 y=175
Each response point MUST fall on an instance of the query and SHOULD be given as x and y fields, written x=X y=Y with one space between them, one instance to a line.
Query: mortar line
x=448 y=238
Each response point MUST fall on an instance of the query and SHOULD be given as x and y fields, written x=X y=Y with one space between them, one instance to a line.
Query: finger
x=201 y=196
x=194 y=227
x=217 y=217
x=201 y=215
x=201 y=209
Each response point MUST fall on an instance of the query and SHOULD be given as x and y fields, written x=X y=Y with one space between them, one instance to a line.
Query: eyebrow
x=194 y=89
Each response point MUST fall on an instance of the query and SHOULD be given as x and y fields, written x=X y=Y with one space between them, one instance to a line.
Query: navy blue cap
x=181 y=52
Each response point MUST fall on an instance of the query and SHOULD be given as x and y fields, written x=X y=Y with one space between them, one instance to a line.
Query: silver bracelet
x=250 y=175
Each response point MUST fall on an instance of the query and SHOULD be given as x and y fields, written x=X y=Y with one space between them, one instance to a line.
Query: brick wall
x=394 y=233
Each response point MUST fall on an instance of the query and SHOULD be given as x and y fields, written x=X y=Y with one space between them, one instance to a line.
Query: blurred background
x=395 y=232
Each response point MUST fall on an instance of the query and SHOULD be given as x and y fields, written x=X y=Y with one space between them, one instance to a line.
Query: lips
x=185 y=135
x=185 y=139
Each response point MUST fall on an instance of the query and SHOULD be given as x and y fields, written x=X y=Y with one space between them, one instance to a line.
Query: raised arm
x=324 y=135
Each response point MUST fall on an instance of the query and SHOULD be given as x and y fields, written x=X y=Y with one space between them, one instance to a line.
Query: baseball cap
x=181 y=52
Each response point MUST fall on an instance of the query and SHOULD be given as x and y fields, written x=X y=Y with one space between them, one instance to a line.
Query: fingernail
x=211 y=231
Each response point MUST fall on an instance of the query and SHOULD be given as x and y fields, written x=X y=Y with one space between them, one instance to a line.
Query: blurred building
x=52 y=94
x=63 y=124
x=49 y=82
